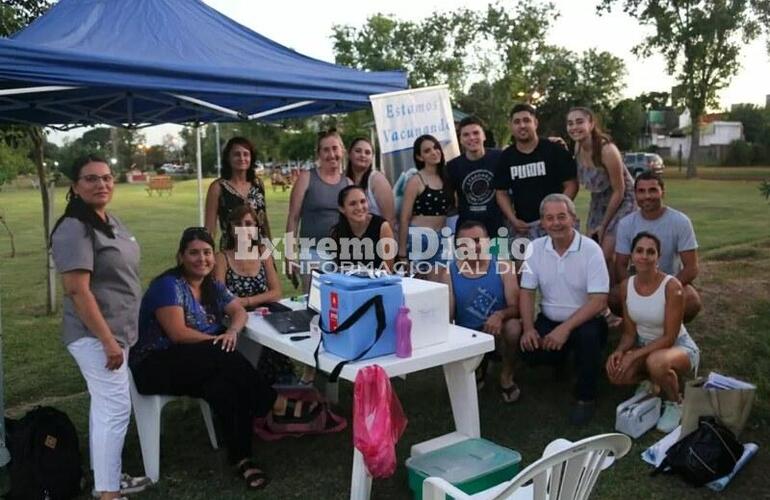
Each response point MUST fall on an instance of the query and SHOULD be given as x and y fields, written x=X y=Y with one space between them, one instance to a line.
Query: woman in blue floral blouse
x=188 y=330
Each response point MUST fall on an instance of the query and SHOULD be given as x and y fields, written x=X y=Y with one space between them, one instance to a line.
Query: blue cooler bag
x=358 y=316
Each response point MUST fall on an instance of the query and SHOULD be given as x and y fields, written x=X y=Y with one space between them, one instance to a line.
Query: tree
x=700 y=41
x=431 y=51
x=654 y=100
x=13 y=161
x=755 y=120
x=564 y=79
x=626 y=122
x=15 y=15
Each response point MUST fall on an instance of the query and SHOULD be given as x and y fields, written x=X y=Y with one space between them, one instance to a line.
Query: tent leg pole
x=199 y=162
x=219 y=151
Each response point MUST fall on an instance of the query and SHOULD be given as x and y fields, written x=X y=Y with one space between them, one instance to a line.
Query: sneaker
x=129 y=484
x=582 y=412
x=669 y=420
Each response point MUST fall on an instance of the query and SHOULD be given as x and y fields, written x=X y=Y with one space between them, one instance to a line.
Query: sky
x=306 y=27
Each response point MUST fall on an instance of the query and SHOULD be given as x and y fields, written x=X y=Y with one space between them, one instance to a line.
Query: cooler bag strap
x=379 y=310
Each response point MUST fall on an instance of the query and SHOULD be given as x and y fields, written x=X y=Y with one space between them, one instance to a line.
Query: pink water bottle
x=403 y=333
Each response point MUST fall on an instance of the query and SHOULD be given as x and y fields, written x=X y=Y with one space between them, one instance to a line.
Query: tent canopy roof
x=145 y=62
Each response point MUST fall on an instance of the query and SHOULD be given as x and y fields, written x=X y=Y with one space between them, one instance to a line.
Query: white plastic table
x=459 y=356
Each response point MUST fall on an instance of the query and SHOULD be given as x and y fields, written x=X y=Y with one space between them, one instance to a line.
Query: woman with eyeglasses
x=252 y=278
x=313 y=205
x=98 y=259
x=238 y=185
x=188 y=330
x=360 y=170
x=426 y=204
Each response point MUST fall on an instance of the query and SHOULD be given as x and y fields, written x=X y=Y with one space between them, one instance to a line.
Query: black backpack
x=45 y=456
x=708 y=453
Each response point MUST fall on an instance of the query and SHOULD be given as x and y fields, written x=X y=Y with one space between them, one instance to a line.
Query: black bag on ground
x=45 y=456
x=708 y=453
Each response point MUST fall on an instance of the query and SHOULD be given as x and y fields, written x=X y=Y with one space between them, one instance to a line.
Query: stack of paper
x=718 y=381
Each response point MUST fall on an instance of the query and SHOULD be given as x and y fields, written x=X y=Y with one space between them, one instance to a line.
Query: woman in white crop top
x=655 y=344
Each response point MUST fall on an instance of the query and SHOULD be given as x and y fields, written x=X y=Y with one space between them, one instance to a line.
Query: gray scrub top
x=114 y=268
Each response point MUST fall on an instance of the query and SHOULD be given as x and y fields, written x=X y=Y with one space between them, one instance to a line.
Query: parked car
x=636 y=163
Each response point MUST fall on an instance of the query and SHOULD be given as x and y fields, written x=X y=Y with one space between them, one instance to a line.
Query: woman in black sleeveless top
x=363 y=239
x=239 y=185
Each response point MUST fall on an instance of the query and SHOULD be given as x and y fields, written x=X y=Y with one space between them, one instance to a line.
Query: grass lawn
x=731 y=222
x=755 y=173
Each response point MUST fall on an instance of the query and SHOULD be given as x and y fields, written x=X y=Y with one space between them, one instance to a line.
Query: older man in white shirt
x=570 y=272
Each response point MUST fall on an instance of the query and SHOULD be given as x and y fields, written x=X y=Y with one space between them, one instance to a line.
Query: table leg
x=361 y=480
x=461 y=384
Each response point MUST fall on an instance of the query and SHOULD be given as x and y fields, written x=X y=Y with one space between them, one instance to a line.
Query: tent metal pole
x=199 y=162
x=5 y=457
x=219 y=151
x=280 y=109
x=220 y=109
x=32 y=90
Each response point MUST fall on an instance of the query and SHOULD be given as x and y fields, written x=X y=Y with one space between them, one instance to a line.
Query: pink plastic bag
x=378 y=420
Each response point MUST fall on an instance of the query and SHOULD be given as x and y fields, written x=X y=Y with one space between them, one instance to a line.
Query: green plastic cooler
x=472 y=465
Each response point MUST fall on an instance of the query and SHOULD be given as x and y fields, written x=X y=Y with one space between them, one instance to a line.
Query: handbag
x=318 y=419
x=708 y=453
x=731 y=407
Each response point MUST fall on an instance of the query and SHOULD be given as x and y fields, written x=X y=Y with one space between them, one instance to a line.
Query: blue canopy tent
x=145 y=62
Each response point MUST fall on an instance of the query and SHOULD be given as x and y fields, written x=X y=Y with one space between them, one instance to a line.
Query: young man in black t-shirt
x=531 y=169
x=471 y=176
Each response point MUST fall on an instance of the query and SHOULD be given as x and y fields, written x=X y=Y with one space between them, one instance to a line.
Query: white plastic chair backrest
x=569 y=474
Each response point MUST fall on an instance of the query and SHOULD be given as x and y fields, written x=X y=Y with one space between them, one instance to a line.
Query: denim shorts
x=437 y=257
x=688 y=345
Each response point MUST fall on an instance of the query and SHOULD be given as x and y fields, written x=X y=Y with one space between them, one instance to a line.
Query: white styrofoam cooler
x=428 y=304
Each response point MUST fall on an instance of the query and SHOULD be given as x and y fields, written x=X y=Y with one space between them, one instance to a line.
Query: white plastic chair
x=147 y=410
x=567 y=474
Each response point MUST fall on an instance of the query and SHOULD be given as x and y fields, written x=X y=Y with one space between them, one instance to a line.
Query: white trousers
x=110 y=410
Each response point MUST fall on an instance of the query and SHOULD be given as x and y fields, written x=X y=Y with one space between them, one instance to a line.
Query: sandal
x=511 y=393
x=252 y=474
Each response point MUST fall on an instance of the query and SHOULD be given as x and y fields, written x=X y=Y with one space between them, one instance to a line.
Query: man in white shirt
x=570 y=272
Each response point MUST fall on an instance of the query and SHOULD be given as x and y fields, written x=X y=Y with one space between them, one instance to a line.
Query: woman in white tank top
x=655 y=344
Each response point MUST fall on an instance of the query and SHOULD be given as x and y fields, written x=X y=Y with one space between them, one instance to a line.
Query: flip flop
x=510 y=394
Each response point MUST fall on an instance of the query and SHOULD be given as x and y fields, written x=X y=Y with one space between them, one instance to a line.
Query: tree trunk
x=46 y=192
x=10 y=235
x=692 y=169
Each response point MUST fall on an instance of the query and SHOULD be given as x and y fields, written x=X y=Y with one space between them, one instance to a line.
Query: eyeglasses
x=93 y=178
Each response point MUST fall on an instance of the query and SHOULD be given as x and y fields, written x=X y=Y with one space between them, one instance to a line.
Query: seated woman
x=255 y=282
x=188 y=330
x=655 y=343
x=363 y=239
x=427 y=201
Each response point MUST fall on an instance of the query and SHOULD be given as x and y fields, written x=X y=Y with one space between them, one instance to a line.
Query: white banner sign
x=401 y=117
